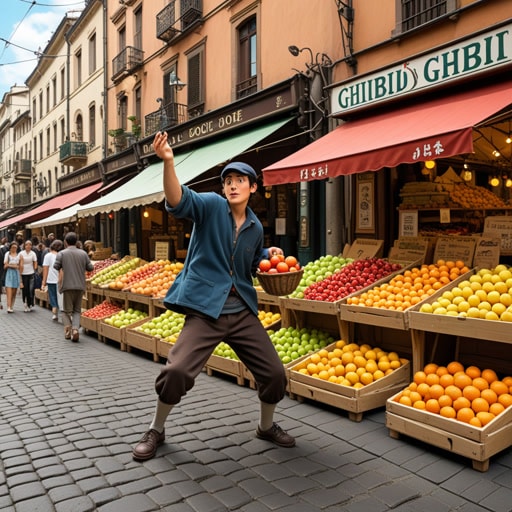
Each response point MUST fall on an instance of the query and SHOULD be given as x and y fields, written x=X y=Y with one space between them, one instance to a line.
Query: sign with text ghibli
x=484 y=52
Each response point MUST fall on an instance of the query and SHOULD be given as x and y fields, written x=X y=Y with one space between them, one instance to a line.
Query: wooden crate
x=89 y=324
x=226 y=366
x=477 y=444
x=106 y=331
x=163 y=347
x=354 y=401
x=140 y=340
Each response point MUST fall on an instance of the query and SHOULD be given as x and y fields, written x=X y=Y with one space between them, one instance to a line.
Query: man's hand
x=275 y=250
x=161 y=146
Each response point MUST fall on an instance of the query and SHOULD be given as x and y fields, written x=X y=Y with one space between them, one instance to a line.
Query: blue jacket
x=215 y=260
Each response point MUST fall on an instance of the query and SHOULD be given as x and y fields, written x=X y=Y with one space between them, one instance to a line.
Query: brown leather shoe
x=67 y=333
x=75 y=336
x=276 y=435
x=146 y=447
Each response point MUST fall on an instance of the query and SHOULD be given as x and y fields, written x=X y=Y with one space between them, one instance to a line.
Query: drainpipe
x=105 y=81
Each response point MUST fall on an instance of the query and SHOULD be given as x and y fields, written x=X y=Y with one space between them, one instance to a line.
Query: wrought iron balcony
x=168 y=27
x=126 y=62
x=22 y=198
x=165 y=117
x=73 y=153
x=22 y=169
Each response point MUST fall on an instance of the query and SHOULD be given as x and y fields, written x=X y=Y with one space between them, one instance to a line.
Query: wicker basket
x=282 y=283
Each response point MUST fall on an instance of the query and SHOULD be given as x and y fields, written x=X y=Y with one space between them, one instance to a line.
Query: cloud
x=28 y=35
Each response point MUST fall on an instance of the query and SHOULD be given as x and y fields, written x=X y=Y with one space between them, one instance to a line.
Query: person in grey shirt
x=72 y=263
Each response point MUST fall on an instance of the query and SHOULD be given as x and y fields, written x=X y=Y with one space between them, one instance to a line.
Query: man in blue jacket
x=216 y=293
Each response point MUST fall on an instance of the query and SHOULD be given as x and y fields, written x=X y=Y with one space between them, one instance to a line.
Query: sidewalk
x=71 y=412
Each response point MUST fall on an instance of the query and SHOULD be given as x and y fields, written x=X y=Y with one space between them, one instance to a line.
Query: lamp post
x=318 y=76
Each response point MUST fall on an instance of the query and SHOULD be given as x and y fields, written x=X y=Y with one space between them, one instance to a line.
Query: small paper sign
x=408 y=223
x=132 y=248
x=452 y=248
x=487 y=252
x=444 y=216
x=161 y=251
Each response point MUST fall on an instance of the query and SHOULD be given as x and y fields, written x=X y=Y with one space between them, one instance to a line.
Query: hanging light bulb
x=496 y=153
x=145 y=214
x=430 y=164
x=495 y=181
x=508 y=140
x=508 y=183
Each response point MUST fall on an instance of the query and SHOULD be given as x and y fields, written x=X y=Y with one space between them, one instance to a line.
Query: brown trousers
x=199 y=337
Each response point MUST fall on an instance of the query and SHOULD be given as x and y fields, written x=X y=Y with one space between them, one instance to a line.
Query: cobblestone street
x=70 y=413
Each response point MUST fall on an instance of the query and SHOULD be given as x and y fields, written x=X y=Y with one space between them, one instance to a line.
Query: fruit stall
x=353 y=334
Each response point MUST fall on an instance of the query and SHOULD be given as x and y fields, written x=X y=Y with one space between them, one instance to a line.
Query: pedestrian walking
x=216 y=293
x=4 y=249
x=12 y=275
x=72 y=263
x=50 y=279
x=28 y=267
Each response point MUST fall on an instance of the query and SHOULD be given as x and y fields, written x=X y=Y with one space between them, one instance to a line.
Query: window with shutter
x=195 y=83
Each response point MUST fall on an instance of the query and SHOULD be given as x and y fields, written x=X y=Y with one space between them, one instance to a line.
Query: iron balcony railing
x=73 y=150
x=22 y=169
x=168 y=27
x=127 y=61
x=165 y=117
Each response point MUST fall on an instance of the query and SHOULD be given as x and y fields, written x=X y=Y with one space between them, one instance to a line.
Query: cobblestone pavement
x=71 y=412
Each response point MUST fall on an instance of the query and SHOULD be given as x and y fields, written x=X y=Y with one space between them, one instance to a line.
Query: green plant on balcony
x=136 y=127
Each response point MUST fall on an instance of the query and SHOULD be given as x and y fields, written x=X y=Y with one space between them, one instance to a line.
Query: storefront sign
x=79 y=179
x=226 y=119
x=476 y=55
x=408 y=223
x=120 y=163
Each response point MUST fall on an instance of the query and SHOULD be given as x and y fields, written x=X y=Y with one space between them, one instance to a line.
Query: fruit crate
x=89 y=324
x=116 y=295
x=163 y=347
x=226 y=366
x=476 y=444
x=140 y=340
x=384 y=317
x=108 y=332
x=156 y=307
x=353 y=400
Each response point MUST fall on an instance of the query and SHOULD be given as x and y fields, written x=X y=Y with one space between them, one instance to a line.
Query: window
x=137 y=32
x=92 y=126
x=48 y=139
x=47 y=99
x=79 y=128
x=55 y=138
x=123 y=112
x=34 y=110
x=40 y=105
x=92 y=54
x=63 y=130
x=195 y=79
x=54 y=90
x=247 y=64
x=121 y=38
x=62 y=83
x=41 y=146
x=137 y=93
x=415 y=13
x=78 y=70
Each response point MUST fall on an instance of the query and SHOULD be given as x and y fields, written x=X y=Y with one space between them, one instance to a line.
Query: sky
x=26 y=28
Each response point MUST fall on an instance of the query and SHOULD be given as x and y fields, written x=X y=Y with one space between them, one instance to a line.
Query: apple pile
x=350 y=364
x=279 y=263
x=103 y=310
x=112 y=272
x=166 y=326
x=318 y=270
x=487 y=294
x=352 y=277
x=100 y=265
x=131 y=277
x=125 y=318
x=292 y=343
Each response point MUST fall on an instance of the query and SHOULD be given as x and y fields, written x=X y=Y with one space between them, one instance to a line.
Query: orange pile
x=469 y=395
x=158 y=284
x=350 y=364
x=410 y=287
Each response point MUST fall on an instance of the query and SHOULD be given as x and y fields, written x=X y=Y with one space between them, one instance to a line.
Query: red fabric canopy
x=426 y=131
x=52 y=205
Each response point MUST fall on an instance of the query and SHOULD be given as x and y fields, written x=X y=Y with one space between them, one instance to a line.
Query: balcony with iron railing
x=22 y=169
x=73 y=153
x=126 y=62
x=165 y=117
x=22 y=198
x=168 y=27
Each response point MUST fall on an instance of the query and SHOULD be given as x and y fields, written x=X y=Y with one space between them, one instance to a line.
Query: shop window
x=415 y=13
x=247 y=82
